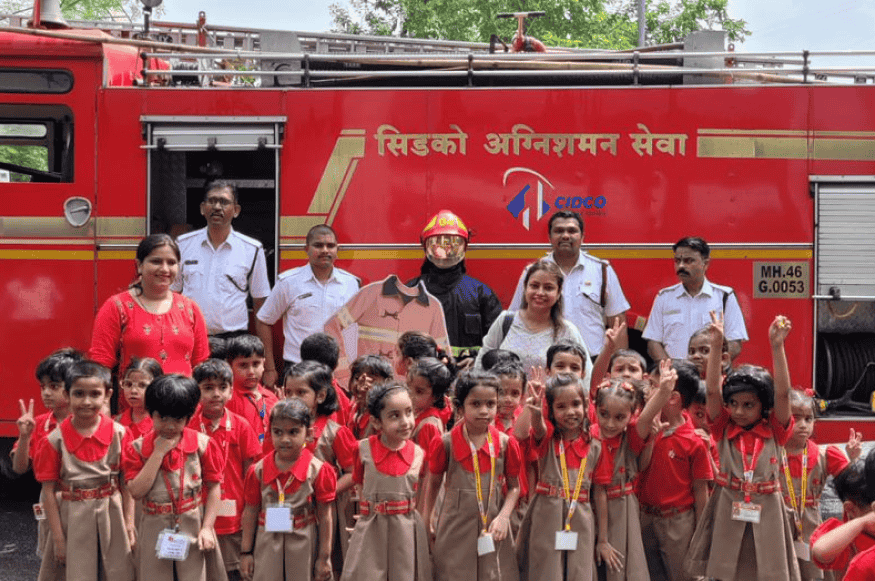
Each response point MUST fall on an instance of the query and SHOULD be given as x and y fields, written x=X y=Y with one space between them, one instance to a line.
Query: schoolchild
x=472 y=537
x=137 y=377
x=699 y=351
x=698 y=412
x=79 y=460
x=364 y=372
x=557 y=537
x=566 y=357
x=413 y=345
x=805 y=467
x=389 y=542
x=835 y=543
x=513 y=380
x=496 y=356
x=253 y=401
x=323 y=348
x=32 y=430
x=745 y=533
x=177 y=472
x=428 y=381
x=240 y=448
x=673 y=482
x=623 y=435
x=287 y=522
x=615 y=361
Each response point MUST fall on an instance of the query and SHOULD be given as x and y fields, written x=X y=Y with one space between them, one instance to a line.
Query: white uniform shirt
x=306 y=304
x=581 y=293
x=204 y=276
x=676 y=316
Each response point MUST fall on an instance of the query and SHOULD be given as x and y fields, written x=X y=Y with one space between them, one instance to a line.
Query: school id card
x=172 y=545
x=485 y=544
x=278 y=518
x=566 y=541
x=228 y=507
x=746 y=512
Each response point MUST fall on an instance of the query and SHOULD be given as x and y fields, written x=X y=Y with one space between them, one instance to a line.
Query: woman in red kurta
x=148 y=319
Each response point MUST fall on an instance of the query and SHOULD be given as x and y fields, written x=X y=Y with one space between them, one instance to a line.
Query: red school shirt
x=324 y=487
x=212 y=461
x=836 y=461
x=47 y=460
x=255 y=412
x=862 y=543
x=575 y=451
x=427 y=432
x=461 y=450
x=135 y=429
x=610 y=446
x=862 y=567
x=679 y=458
x=387 y=461
x=239 y=444
x=509 y=429
x=723 y=427
x=343 y=445
x=342 y=415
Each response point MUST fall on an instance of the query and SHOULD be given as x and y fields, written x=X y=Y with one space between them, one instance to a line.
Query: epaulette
x=249 y=240
x=668 y=289
x=187 y=235
x=289 y=272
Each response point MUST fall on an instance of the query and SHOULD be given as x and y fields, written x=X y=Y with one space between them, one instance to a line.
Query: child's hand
x=658 y=427
x=61 y=550
x=206 y=539
x=667 y=376
x=499 y=527
x=778 y=330
x=322 y=569
x=868 y=523
x=535 y=401
x=613 y=333
x=716 y=332
x=25 y=423
x=132 y=535
x=607 y=554
x=855 y=445
x=706 y=437
x=164 y=445
x=247 y=566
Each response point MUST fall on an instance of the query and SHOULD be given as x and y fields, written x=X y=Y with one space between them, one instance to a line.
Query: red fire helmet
x=444 y=222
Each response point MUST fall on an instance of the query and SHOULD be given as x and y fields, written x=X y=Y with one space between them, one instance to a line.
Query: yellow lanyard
x=478 y=484
x=800 y=507
x=282 y=489
x=566 y=484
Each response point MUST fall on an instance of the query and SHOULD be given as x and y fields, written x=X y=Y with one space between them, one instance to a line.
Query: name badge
x=172 y=545
x=803 y=550
x=228 y=507
x=39 y=512
x=485 y=545
x=278 y=519
x=566 y=541
x=746 y=512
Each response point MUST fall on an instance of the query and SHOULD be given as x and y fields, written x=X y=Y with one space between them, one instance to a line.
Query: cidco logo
x=521 y=208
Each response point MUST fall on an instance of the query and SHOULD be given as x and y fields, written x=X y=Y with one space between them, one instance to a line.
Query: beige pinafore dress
x=624 y=519
x=811 y=518
x=288 y=556
x=536 y=547
x=731 y=550
x=194 y=568
x=387 y=546
x=459 y=525
x=94 y=526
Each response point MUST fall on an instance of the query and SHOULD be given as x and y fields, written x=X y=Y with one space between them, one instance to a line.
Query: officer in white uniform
x=305 y=297
x=682 y=309
x=221 y=267
x=591 y=292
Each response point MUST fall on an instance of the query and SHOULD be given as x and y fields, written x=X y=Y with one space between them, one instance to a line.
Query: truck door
x=845 y=290
x=187 y=152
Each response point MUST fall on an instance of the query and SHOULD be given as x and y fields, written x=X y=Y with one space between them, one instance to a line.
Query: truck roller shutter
x=845 y=244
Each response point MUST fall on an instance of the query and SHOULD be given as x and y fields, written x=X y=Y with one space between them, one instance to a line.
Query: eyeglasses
x=224 y=202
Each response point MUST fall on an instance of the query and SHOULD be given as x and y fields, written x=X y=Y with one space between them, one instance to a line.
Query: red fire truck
x=769 y=158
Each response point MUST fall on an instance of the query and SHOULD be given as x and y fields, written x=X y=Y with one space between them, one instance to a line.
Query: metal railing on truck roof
x=236 y=56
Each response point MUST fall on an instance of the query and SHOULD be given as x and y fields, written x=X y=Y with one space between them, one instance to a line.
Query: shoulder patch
x=186 y=236
x=289 y=272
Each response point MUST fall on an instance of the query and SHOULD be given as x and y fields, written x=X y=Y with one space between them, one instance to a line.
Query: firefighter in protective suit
x=470 y=307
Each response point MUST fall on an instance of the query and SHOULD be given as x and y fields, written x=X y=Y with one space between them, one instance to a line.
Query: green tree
x=83 y=9
x=610 y=24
